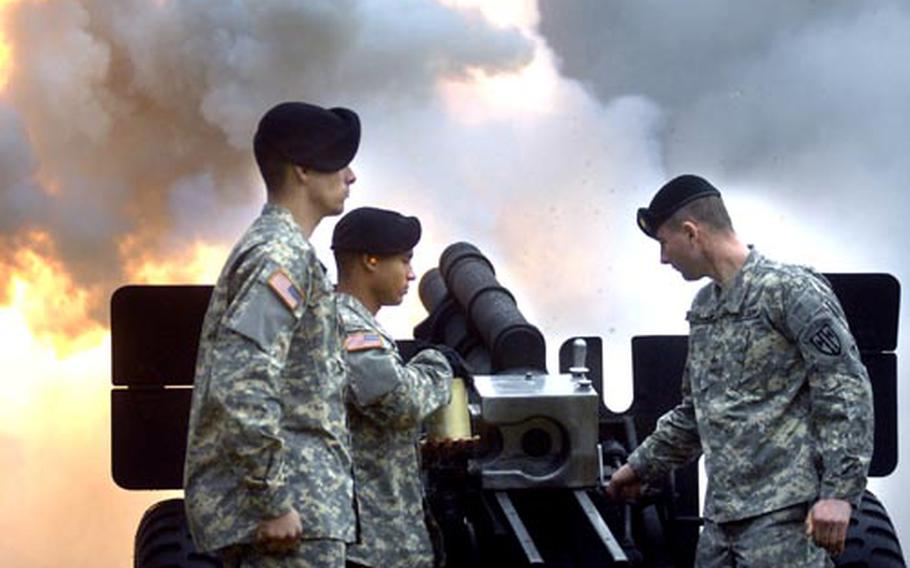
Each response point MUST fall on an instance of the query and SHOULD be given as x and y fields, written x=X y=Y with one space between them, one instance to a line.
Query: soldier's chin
x=394 y=301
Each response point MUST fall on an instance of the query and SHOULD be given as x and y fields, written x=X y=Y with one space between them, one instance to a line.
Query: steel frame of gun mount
x=560 y=518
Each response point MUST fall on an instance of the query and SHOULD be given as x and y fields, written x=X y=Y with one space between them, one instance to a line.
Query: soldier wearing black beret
x=389 y=397
x=302 y=145
x=377 y=231
x=675 y=194
x=267 y=482
x=774 y=395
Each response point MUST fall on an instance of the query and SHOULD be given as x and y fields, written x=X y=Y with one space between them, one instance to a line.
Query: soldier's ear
x=369 y=262
x=300 y=173
x=690 y=230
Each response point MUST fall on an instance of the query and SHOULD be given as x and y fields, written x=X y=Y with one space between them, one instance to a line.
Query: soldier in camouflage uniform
x=389 y=398
x=774 y=395
x=268 y=467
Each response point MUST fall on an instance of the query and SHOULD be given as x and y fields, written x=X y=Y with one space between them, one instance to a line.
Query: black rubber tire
x=163 y=540
x=871 y=539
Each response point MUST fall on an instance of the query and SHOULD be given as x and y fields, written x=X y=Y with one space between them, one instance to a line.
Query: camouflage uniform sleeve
x=249 y=356
x=674 y=442
x=390 y=391
x=841 y=395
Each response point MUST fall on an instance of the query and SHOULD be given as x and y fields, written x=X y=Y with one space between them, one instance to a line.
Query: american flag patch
x=282 y=285
x=362 y=341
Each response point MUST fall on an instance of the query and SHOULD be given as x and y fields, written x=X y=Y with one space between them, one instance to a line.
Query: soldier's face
x=392 y=275
x=679 y=250
x=328 y=191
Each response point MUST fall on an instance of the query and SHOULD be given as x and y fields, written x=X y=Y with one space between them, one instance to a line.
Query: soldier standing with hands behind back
x=268 y=467
x=774 y=395
x=389 y=398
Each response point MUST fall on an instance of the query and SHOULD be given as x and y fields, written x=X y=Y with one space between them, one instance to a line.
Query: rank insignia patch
x=281 y=284
x=362 y=342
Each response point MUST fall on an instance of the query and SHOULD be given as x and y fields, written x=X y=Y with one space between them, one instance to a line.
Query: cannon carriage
x=526 y=490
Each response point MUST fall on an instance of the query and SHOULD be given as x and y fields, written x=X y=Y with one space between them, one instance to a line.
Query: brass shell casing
x=452 y=421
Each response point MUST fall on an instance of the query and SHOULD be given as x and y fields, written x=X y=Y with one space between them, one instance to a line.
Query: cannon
x=528 y=493
x=527 y=490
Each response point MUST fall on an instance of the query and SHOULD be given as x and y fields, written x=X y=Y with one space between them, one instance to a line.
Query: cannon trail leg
x=519 y=529
x=600 y=527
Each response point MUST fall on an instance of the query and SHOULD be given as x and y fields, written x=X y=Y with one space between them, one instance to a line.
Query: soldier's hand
x=827 y=524
x=281 y=533
x=460 y=367
x=624 y=485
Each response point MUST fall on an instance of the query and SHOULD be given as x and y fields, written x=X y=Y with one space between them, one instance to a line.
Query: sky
x=531 y=128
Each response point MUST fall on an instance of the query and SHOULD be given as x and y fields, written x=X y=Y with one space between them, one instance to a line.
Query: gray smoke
x=134 y=119
x=130 y=122
x=799 y=111
x=806 y=99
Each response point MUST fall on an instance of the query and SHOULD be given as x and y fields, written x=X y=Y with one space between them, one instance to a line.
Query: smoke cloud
x=798 y=111
x=134 y=119
x=806 y=102
x=125 y=135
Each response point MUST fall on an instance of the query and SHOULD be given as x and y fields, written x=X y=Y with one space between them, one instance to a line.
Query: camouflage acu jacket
x=774 y=395
x=389 y=400
x=268 y=425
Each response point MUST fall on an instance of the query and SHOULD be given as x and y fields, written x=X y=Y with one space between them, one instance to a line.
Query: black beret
x=309 y=135
x=373 y=230
x=670 y=198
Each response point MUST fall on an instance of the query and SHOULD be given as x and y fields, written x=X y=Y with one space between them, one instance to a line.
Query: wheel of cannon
x=871 y=539
x=163 y=540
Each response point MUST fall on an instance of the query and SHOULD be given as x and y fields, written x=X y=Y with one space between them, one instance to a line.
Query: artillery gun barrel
x=514 y=344
x=448 y=322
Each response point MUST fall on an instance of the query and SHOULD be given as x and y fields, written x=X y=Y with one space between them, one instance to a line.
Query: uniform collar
x=280 y=212
x=356 y=306
x=730 y=299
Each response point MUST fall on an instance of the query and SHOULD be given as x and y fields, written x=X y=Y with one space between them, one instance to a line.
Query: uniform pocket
x=724 y=353
x=757 y=347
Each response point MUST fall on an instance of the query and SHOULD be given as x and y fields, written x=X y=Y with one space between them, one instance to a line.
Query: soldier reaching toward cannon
x=774 y=395
x=267 y=472
x=389 y=398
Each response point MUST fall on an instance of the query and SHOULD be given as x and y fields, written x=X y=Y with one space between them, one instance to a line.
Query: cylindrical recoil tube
x=514 y=344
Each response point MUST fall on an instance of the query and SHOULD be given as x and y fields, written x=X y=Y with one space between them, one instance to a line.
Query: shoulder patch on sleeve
x=362 y=341
x=826 y=341
x=284 y=287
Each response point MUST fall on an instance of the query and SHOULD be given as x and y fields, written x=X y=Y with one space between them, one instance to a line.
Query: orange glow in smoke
x=50 y=343
x=54 y=410
x=481 y=96
x=42 y=380
x=49 y=185
x=6 y=50
x=199 y=263
x=532 y=89
x=43 y=293
x=6 y=63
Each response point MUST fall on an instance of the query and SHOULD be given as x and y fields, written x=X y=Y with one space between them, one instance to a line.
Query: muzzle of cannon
x=448 y=324
x=483 y=309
